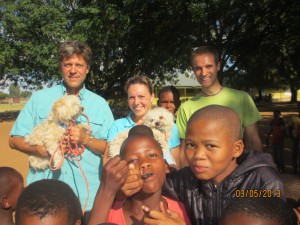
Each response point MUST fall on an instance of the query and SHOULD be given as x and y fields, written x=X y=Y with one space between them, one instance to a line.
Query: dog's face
x=66 y=109
x=159 y=118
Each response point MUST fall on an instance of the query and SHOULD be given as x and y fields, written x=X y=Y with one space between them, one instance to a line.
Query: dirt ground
x=19 y=161
x=10 y=157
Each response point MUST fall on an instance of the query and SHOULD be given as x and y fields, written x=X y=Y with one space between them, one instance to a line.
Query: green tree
x=3 y=95
x=25 y=94
x=258 y=39
x=30 y=33
x=14 y=90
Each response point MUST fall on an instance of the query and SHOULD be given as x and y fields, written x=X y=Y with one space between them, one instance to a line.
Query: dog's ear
x=59 y=111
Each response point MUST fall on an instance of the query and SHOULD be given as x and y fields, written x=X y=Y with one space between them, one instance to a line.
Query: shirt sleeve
x=108 y=119
x=26 y=120
x=175 y=140
x=168 y=158
x=181 y=122
x=112 y=132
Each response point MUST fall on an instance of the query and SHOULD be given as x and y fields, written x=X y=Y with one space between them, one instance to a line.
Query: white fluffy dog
x=162 y=120
x=50 y=132
x=159 y=119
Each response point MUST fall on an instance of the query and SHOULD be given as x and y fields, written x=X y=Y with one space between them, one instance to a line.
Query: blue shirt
x=127 y=123
x=101 y=118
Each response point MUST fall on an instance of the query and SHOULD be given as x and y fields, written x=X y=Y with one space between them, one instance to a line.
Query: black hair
x=227 y=116
x=175 y=93
x=48 y=197
x=267 y=209
x=141 y=131
x=277 y=111
x=7 y=181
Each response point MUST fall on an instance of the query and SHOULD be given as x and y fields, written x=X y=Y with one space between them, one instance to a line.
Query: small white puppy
x=50 y=132
x=160 y=120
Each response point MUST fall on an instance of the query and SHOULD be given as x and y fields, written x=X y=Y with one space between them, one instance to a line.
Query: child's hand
x=164 y=217
x=134 y=182
x=114 y=174
x=297 y=212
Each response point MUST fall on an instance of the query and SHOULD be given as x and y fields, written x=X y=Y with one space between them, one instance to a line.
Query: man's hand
x=164 y=217
x=77 y=135
x=20 y=144
x=74 y=135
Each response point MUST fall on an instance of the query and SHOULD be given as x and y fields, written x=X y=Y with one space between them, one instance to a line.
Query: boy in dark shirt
x=218 y=169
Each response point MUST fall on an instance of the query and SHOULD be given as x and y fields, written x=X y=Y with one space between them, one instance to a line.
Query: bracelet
x=91 y=139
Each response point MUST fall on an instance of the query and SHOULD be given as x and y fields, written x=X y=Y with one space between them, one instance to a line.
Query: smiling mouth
x=144 y=176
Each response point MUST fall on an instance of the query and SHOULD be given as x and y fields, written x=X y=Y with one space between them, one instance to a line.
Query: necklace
x=207 y=95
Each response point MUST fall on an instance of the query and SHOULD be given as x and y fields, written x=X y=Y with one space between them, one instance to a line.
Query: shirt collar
x=129 y=121
x=81 y=92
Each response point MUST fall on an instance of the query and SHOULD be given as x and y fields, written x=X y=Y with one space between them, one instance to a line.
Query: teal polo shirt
x=101 y=118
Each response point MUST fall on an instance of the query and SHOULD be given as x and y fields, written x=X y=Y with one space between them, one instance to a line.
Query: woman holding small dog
x=140 y=93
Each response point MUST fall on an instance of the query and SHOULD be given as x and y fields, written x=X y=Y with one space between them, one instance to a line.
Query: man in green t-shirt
x=206 y=65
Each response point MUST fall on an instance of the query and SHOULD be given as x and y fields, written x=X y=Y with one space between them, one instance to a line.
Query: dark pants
x=278 y=156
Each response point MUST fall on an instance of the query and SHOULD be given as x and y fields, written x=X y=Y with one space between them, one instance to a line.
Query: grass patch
x=12 y=107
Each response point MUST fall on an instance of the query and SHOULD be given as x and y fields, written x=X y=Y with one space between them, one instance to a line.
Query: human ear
x=218 y=66
x=152 y=97
x=78 y=222
x=167 y=168
x=238 y=148
x=5 y=204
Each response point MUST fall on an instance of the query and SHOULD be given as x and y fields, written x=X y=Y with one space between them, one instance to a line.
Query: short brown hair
x=140 y=79
x=74 y=47
x=204 y=50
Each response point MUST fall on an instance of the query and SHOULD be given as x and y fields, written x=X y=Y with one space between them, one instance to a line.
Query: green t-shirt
x=238 y=100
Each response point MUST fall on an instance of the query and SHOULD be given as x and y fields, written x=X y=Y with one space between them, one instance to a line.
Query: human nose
x=136 y=101
x=168 y=104
x=73 y=69
x=145 y=165
x=200 y=153
x=204 y=71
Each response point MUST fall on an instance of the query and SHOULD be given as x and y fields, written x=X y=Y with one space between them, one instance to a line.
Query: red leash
x=73 y=154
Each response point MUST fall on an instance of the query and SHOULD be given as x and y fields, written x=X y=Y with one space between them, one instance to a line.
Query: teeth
x=145 y=176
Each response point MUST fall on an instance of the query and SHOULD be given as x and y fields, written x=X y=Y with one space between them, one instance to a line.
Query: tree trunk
x=260 y=97
x=293 y=89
